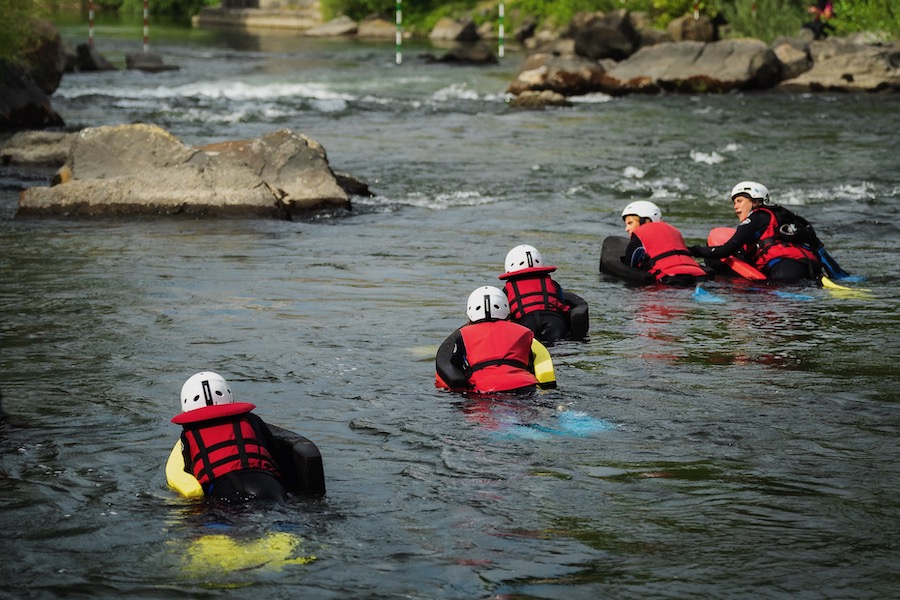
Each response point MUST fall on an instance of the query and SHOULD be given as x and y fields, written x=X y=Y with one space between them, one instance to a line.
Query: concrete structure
x=261 y=14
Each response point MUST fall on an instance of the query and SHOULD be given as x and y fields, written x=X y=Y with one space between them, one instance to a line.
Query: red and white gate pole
x=91 y=23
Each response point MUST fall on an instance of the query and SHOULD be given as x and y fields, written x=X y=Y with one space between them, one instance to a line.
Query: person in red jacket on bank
x=226 y=447
x=658 y=247
x=489 y=353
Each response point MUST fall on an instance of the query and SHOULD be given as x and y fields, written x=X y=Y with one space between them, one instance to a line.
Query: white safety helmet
x=523 y=257
x=756 y=191
x=487 y=302
x=205 y=389
x=644 y=210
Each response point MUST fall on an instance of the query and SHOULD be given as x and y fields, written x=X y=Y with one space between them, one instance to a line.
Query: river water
x=740 y=449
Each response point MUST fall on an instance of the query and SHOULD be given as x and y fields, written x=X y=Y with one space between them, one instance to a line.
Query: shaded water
x=741 y=449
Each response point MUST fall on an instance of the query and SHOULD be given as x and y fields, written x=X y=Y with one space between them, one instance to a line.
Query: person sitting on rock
x=227 y=448
x=658 y=247
x=489 y=353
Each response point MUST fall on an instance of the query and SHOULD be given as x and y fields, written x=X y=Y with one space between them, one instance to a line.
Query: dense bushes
x=18 y=31
x=763 y=19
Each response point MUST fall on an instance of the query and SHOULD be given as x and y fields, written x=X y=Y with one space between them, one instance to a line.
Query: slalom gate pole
x=91 y=23
x=399 y=40
x=500 y=31
x=146 y=26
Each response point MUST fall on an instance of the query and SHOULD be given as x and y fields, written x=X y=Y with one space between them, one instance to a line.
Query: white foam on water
x=712 y=158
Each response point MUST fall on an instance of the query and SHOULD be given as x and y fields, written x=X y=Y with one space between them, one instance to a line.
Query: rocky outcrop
x=454 y=31
x=26 y=86
x=376 y=28
x=843 y=66
x=610 y=35
x=148 y=62
x=144 y=170
x=23 y=104
x=539 y=100
x=88 y=59
x=567 y=75
x=620 y=54
x=37 y=149
x=695 y=67
x=338 y=27
x=478 y=53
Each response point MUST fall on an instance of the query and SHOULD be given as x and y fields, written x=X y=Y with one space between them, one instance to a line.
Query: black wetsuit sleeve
x=634 y=252
x=450 y=361
x=186 y=454
x=745 y=234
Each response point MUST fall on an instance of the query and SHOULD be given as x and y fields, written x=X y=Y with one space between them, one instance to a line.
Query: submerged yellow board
x=220 y=554
x=543 y=365
x=842 y=291
x=182 y=482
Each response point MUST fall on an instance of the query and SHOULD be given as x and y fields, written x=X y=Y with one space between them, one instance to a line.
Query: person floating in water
x=658 y=247
x=227 y=448
x=537 y=301
x=767 y=238
x=489 y=353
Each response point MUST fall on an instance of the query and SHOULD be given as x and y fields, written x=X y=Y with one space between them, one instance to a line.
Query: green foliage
x=560 y=12
x=765 y=19
x=17 y=34
x=174 y=8
x=867 y=15
x=666 y=10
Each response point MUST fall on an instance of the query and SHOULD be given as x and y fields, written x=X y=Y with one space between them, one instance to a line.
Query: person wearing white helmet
x=658 y=247
x=537 y=301
x=489 y=353
x=227 y=448
x=768 y=237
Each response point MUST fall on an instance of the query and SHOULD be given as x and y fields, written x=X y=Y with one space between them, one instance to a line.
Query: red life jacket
x=770 y=245
x=533 y=289
x=220 y=439
x=499 y=355
x=666 y=251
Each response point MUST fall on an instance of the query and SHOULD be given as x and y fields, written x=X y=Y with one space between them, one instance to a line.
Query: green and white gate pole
x=500 y=31
x=146 y=26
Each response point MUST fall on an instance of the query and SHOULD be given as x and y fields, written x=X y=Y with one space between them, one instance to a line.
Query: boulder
x=466 y=54
x=447 y=29
x=148 y=62
x=37 y=149
x=695 y=67
x=88 y=59
x=47 y=58
x=143 y=170
x=26 y=85
x=566 y=75
x=23 y=104
x=376 y=28
x=539 y=100
x=794 y=61
x=610 y=35
x=337 y=27
x=843 y=66
x=688 y=28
